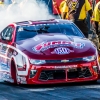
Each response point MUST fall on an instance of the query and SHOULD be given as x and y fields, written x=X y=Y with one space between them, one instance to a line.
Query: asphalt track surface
x=73 y=91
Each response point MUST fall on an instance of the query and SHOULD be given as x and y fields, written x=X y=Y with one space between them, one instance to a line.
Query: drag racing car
x=46 y=52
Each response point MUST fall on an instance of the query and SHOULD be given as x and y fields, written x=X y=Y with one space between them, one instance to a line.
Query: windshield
x=27 y=31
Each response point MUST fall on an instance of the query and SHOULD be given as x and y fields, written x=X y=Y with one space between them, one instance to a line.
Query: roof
x=30 y=22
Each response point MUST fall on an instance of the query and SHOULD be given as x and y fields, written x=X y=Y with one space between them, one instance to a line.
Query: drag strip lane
x=85 y=91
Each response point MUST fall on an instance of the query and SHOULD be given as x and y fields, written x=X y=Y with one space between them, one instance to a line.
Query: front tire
x=13 y=72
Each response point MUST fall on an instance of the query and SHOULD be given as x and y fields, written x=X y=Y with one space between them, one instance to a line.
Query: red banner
x=58 y=4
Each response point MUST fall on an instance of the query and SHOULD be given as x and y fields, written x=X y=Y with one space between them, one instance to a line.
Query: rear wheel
x=13 y=72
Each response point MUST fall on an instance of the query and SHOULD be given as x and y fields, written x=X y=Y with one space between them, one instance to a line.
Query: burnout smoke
x=21 y=10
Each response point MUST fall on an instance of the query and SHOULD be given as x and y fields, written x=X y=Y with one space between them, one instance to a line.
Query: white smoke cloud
x=24 y=10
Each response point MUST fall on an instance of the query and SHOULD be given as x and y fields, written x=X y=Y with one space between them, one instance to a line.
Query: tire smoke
x=23 y=10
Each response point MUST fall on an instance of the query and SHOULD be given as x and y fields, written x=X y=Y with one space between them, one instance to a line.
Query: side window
x=6 y=34
x=9 y=33
x=3 y=33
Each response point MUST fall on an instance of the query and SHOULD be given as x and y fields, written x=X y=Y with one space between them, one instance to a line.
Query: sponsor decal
x=21 y=79
x=79 y=45
x=52 y=44
x=20 y=29
x=69 y=66
x=36 y=38
x=62 y=50
x=18 y=80
x=3 y=49
x=4 y=66
x=6 y=76
x=6 y=58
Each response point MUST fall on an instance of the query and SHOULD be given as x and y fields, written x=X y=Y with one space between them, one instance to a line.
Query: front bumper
x=64 y=73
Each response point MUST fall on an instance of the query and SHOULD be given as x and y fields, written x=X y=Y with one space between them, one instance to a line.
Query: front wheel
x=13 y=72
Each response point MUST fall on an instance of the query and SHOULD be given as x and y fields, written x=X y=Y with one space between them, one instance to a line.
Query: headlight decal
x=89 y=58
x=37 y=62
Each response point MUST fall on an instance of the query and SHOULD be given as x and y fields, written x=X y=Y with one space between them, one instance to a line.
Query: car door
x=5 y=39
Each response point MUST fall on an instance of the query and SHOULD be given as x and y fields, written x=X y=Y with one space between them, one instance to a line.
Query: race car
x=46 y=52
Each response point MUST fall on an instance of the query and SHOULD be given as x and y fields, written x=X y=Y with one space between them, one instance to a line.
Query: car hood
x=56 y=46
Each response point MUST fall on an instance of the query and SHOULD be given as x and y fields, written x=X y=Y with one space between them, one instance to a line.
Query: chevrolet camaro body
x=46 y=52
